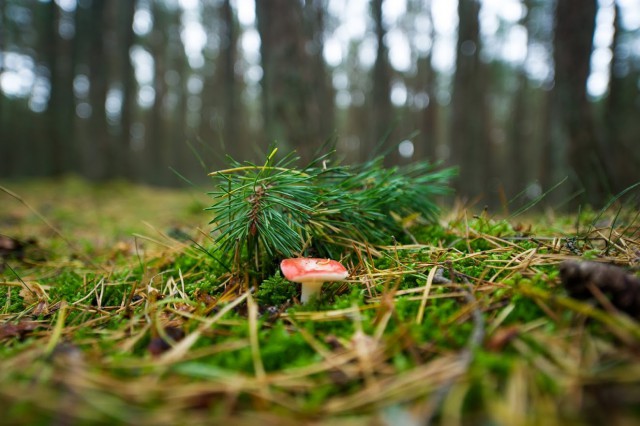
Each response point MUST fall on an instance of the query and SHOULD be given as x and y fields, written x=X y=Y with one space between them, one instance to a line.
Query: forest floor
x=111 y=313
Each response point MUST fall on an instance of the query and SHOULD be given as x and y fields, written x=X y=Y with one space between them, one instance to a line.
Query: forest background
x=524 y=96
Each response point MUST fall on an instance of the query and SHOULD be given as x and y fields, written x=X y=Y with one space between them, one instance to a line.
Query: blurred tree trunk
x=229 y=82
x=289 y=107
x=2 y=59
x=623 y=110
x=519 y=126
x=5 y=136
x=60 y=108
x=124 y=165
x=208 y=135
x=98 y=157
x=45 y=156
x=321 y=102
x=381 y=124
x=221 y=117
x=470 y=146
x=426 y=145
x=83 y=52
x=156 y=147
x=573 y=126
x=519 y=139
x=179 y=114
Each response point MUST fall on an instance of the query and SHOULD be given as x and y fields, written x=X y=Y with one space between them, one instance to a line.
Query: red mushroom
x=312 y=273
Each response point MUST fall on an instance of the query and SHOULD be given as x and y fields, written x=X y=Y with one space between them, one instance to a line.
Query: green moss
x=282 y=349
x=276 y=290
x=10 y=300
x=401 y=362
x=68 y=285
x=317 y=397
x=592 y=254
x=107 y=336
x=433 y=234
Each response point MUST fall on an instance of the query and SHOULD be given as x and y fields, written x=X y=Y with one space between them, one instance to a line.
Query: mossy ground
x=113 y=314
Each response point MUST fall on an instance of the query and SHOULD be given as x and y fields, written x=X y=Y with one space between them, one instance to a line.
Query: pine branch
x=274 y=209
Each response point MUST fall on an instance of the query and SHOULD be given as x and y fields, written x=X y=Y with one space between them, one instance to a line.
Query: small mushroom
x=312 y=273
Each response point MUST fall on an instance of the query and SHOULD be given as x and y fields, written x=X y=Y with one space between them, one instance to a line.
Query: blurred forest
x=520 y=94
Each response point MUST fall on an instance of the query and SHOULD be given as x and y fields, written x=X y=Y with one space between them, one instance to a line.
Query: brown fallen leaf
x=609 y=285
x=33 y=294
x=159 y=345
x=501 y=338
x=19 y=329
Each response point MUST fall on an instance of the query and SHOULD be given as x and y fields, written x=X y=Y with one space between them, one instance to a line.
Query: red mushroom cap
x=304 y=269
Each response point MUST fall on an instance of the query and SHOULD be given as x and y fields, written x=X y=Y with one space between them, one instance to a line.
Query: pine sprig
x=375 y=192
x=264 y=211
x=262 y=206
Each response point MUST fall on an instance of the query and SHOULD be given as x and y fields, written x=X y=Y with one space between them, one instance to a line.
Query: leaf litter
x=469 y=320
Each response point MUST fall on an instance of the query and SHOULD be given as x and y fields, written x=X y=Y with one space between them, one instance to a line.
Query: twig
x=21 y=280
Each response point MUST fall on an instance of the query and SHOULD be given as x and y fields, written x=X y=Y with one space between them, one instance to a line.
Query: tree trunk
x=623 y=110
x=381 y=109
x=321 y=102
x=5 y=151
x=98 y=155
x=47 y=156
x=157 y=141
x=426 y=145
x=289 y=107
x=230 y=118
x=573 y=124
x=125 y=166
x=177 y=122
x=470 y=147
x=60 y=108
x=213 y=145
x=520 y=124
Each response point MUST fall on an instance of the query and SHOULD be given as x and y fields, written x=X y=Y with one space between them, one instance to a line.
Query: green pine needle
x=277 y=210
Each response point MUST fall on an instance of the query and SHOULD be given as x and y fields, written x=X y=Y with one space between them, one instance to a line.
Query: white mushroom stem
x=309 y=288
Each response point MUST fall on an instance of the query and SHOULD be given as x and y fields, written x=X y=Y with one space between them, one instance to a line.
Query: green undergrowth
x=463 y=318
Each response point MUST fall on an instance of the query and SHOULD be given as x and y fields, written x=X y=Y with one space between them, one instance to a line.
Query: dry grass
x=510 y=346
